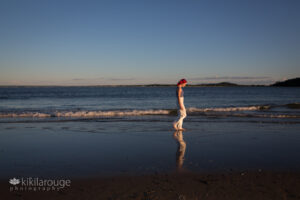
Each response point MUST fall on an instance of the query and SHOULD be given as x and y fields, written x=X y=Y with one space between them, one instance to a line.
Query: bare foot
x=175 y=127
x=181 y=129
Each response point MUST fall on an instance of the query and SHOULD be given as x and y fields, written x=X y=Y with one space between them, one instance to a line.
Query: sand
x=130 y=160
x=182 y=186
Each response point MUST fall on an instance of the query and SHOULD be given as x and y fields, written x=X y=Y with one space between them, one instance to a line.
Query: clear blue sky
x=59 y=42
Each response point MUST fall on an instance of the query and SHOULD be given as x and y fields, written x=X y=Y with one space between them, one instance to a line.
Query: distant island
x=295 y=82
x=222 y=84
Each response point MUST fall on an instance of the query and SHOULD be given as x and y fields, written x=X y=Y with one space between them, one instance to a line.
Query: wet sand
x=235 y=185
x=147 y=160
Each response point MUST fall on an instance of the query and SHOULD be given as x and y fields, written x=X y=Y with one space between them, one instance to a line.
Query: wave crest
x=254 y=111
x=228 y=109
x=85 y=114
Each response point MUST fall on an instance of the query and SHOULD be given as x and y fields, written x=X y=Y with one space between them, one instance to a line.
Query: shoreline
x=143 y=160
x=183 y=185
x=137 y=148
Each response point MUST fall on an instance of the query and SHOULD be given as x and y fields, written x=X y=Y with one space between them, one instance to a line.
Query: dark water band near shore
x=89 y=149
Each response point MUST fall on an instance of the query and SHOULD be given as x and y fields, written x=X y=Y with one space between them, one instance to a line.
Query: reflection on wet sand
x=180 y=149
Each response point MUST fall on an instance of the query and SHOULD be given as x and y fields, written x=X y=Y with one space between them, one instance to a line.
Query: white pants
x=179 y=121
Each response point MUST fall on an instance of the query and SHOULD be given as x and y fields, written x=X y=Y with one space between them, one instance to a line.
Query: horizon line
x=152 y=84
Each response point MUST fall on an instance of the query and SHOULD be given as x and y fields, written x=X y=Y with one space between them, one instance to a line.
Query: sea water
x=94 y=103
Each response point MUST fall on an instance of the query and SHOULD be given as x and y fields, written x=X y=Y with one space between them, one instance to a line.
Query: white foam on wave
x=222 y=111
x=111 y=113
x=228 y=109
x=84 y=114
x=262 y=115
x=281 y=116
x=27 y=114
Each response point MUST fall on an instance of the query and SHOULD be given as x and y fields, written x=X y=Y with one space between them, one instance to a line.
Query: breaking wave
x=245 y=111
x=229 y=109
x=85 y=114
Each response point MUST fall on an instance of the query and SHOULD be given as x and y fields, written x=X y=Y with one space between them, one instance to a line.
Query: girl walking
x=180 y=105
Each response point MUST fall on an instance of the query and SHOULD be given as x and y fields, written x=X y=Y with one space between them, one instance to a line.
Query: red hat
x=181 y=82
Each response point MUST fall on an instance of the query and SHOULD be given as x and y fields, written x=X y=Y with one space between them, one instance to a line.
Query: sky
x=109 y=42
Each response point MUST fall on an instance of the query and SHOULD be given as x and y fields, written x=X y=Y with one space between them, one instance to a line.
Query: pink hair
x=181 y=82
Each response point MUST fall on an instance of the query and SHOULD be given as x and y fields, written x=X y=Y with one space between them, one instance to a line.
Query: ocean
x=106 y=131
x=29 y=104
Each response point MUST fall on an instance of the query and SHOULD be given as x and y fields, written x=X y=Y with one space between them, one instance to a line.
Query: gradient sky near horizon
x=60 y=42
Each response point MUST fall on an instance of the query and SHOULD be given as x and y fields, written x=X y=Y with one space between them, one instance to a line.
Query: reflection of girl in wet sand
x=181 y=108
x=180 y=150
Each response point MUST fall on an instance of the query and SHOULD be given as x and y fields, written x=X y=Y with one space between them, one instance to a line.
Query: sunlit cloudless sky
x=60 y=42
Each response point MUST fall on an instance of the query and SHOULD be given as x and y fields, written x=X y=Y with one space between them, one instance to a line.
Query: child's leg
x=182 y=116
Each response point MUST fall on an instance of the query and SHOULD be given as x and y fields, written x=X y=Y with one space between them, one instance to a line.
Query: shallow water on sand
x=91 y=149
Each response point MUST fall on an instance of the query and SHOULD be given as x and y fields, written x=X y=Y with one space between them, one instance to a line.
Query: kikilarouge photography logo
x=37 y=184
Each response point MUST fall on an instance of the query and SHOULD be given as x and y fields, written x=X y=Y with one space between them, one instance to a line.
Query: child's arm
x=179 y=100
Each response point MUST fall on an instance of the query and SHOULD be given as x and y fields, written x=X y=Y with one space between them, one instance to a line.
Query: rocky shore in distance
x=295 y=82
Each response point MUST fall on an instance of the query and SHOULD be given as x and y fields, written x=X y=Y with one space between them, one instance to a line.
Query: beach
x=120 y=145
x=243 y=185
x=146 y=160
